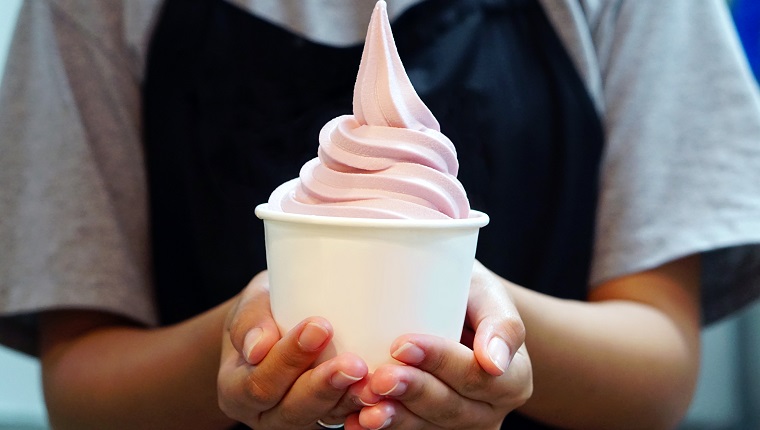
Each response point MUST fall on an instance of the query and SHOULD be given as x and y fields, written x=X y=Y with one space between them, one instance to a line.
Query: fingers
x=394 y=414
x=499 y=330
x=444 y=386
x=246 y=391
x=383 y=415
x=268 y=382
x=282 y=391
x=449 y=385
x=444 y=382
x=499 y=342
x=320 y=393
x=423 y=396
x=287 y=360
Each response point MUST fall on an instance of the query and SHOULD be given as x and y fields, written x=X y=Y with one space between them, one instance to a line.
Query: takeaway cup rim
x=477 y=219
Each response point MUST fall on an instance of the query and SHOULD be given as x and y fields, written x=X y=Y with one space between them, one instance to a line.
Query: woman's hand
x=268 y=382
x=446 y=384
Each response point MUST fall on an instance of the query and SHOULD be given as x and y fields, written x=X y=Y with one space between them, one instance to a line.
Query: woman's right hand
x=267 y=382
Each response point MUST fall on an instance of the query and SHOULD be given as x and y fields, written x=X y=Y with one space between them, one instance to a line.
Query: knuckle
x=473 y=381
x=416 y=393
x=236 y=331
x=324 y=395
x=237 y=328
x=514 y=328
x=434 y=363
x=260 y=393
x=318 y=388
x=291 y=360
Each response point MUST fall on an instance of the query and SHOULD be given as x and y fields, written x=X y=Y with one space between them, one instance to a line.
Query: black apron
x=233 y=105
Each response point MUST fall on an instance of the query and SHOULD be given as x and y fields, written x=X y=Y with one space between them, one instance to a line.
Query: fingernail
x=367 y=397
x=252 y=338
x=359 y=402
x=409 y=353
x=312 y=337
x=498 y=352
x=397 y=389
x=386 y=423
x=342 y=380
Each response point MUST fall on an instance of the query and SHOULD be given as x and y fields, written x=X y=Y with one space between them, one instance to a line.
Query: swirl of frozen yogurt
x=387 y=160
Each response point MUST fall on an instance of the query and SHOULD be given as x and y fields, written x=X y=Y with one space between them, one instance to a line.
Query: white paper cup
x=373 y=279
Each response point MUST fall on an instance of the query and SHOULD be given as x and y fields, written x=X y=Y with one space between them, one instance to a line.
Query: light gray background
x=728 y=396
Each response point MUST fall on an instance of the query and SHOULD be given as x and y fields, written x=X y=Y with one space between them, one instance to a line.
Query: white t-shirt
x=680 y=172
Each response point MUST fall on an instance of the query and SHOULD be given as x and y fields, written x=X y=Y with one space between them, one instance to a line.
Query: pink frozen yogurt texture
x=387 y=160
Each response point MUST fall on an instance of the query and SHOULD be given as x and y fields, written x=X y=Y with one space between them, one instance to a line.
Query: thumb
x=250 y=324
x=499 y=330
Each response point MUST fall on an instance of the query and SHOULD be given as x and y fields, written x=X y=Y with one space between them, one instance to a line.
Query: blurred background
x=728 y=395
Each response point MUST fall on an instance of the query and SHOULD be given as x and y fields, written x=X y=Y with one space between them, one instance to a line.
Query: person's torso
x=233 y=105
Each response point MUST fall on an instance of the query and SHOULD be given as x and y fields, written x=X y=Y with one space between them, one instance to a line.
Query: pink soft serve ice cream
x=387 y=160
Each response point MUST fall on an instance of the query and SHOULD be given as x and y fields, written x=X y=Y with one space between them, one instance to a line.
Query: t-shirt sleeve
x=681 y=169
x=73 y=205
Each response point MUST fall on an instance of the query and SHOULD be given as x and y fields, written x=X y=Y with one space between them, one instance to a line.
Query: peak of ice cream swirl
x=387 y=160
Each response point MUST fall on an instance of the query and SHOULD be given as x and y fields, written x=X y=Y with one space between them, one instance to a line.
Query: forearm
x=609 y=364
x=122 y=377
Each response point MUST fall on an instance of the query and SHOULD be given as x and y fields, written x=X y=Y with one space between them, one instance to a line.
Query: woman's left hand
x=445 y=384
